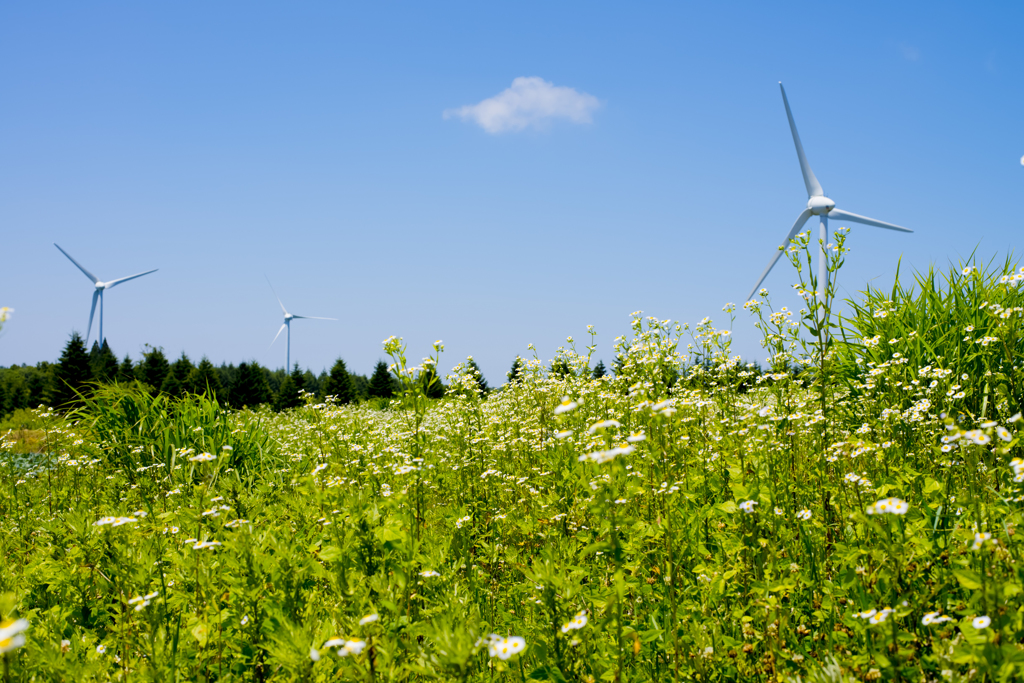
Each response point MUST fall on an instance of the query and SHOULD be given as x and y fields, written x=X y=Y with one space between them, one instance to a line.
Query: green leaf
x=199 y=633
x=330 y=553
x=968 y=579
x=547 y=673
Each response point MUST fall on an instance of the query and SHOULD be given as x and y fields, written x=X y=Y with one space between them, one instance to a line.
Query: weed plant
x=852 y=513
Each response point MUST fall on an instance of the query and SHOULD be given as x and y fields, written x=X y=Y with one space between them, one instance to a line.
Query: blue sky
x=221 y=141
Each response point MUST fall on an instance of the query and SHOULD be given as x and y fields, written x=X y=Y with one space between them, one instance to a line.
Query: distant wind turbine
x=98 y=293
x=817 y=205
x=288 y=318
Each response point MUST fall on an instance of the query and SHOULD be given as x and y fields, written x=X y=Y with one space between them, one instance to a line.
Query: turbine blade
x=279 y=331
x=847 y=217
x=118 y=281
x=276 y=296
x=801 y=219
x=95 y=280
x=92 y=311
x=311 y=317
x=813 y=186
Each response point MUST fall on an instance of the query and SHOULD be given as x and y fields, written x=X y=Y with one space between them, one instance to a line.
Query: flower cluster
x=504 y=648
x=888 y=506
x=576 y=623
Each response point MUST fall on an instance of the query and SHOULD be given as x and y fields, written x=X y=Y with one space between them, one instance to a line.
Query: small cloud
x=910 y=53
x=531 y=101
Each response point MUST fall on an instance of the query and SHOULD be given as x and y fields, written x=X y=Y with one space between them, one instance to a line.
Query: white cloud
x=531 y=101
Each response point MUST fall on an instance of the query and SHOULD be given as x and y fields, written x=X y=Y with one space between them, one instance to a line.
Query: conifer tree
x=176 y=382
x=154 y=368
x=250 y=387
x=516 y=373
x=599 y=370
x=204 y=378
x=103 y=362
x=560 y=368
x=382 y=384
x=431 y=383
x=72 y=373
x=288 y=393
x=126 y=371
x=339 y=384
x=478 y=374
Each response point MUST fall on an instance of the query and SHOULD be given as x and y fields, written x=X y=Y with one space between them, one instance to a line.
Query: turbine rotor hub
x=820 y=205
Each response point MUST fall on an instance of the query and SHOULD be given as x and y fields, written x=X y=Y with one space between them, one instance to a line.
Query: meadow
x=848 y=510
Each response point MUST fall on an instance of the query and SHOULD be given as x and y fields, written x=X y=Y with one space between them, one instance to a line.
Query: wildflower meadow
x=848 y=509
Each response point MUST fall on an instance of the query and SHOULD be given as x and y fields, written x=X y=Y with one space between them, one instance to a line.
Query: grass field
x=850 y=511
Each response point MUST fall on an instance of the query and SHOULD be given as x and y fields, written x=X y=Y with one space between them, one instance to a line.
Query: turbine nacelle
x=819 y=206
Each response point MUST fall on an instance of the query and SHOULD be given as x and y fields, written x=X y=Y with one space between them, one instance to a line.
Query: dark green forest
x=248 y=384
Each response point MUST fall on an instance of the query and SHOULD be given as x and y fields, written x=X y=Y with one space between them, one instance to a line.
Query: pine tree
x=478 y=374
x=560 y=368
x=176 y=381
x=599 y=370
x=204 y=378
x=126 y=371
x=431 y=383
x=72 y=372
x=516 y=373
x=154 y=368
x=298 y=377
x=40 y=385
x=103 y=362
x=288 y=393
x=339 y=384
x=250 y=387
x=382 y=384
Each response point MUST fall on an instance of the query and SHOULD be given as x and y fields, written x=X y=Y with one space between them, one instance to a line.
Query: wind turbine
x=817 y=205
x=288 y=318
x=98 y=293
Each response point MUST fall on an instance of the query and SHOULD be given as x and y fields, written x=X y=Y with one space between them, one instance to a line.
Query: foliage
x=339 y=384
x=176 y=382
x=382 y=384
x=288 y=394
x=690 y=518
x=72 y=373
x=250 y=387
x=515 y=374
x=103 y=362
x=967 y=318
x=204 y=379
x=154 y=368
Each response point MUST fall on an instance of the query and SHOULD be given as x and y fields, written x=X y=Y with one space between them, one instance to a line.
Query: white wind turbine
x=288 y=318
x=98 y=292
x=817 y=205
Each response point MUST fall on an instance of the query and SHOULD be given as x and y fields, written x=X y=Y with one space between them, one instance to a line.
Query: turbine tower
x=288 y=318
x=98 y=292
x=817 y=205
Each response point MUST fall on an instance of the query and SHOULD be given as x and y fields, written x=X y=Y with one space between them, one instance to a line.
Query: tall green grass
x=688 y=519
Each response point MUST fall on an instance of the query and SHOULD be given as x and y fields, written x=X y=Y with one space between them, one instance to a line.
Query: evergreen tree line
x=246 y=384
